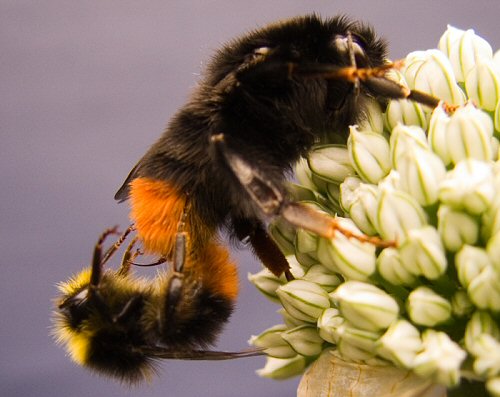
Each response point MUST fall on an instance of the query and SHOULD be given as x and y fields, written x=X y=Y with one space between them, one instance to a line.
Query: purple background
x=85 y=88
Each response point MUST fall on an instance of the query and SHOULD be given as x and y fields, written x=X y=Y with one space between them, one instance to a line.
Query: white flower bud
x=470 y=185
x=390 y=182
x=400 y=344
x=470 y=262
x=328 y=323
x=403 y=138
x=449 y=39
x=441 y=358
x=369 y=154
x=464 y=49
x=365 y=340
x=438 y=139
x=349 y=352
x=373 y=118
x=427 y=308
x=461 y=305
x=422 y=253
x=493 y=386
x=487 y=352
x=271 y=340
x=483 y=84
x=306 y=260
x=348 y=256
x=397 y=214
x=283 y=234
x=298 y=270
x=405 y=112
x=365 y=306
x=349 y=192
x=456 y=228
x=430 y=71
x=484 y=290
x=391 y=269
x=303 y=174
x=267 y=283
x=465 y=134
x=290 y=322
x=333 y=195
x=480 y=323
x=303 y=300
x=362 y=199
x=282 y=368
x=331 y=163
x=304 y=340
x=469 y=133
x=421 y=172
x=306 y=242
x=323 y=277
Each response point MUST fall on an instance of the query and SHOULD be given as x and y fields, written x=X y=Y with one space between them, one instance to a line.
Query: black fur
x=267 y=117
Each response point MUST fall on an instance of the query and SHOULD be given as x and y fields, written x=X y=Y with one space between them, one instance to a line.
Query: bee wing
x=124 y=190
x=160 y=352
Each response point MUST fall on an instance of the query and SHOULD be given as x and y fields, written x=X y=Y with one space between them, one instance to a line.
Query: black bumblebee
x=266 y=99
x=120 y=325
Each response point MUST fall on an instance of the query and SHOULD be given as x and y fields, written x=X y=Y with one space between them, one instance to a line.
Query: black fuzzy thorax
x=269 y=120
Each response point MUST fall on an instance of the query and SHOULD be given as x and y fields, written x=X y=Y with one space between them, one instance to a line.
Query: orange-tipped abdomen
x=214 y=266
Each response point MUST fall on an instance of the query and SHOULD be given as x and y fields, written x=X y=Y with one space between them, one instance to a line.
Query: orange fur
x=156 y=209
x=218 y=272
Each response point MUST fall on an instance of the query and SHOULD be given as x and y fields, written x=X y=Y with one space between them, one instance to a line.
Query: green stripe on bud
x=369 y=154
x=422 y=253
x=350 y=257
x=400 y=344
x=440 y=358
x=427 y=308
x=456 y=228
x=365 y=306
x=271 y=340
x=282 y=368
x=464 y=49
x=304 y=340
x=328 y=323
x=303 y=300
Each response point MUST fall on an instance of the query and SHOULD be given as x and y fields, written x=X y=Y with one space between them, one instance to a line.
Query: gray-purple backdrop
x=85 y=88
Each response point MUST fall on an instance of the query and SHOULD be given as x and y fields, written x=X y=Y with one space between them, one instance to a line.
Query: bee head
x=100 y=328
x=309 y=39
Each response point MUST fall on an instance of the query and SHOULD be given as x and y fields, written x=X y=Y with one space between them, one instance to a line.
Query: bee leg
x=97 y=261
x=272 y=202
x=111 y=250
x=263 y=246
x=128 y=258
x=176 y=282
x=130 y=310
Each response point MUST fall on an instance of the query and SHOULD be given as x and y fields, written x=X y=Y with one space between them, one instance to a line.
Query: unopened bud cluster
x=428 y=180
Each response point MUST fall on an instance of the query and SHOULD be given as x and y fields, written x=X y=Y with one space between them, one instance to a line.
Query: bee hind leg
x=263 y=246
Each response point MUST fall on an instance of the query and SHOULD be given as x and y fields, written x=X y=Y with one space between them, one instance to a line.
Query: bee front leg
x=272 y=202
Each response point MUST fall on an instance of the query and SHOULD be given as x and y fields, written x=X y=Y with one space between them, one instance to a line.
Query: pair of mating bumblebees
x=266 y=99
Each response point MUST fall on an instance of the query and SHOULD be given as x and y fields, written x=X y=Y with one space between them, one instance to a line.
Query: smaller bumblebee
x=120 y=325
